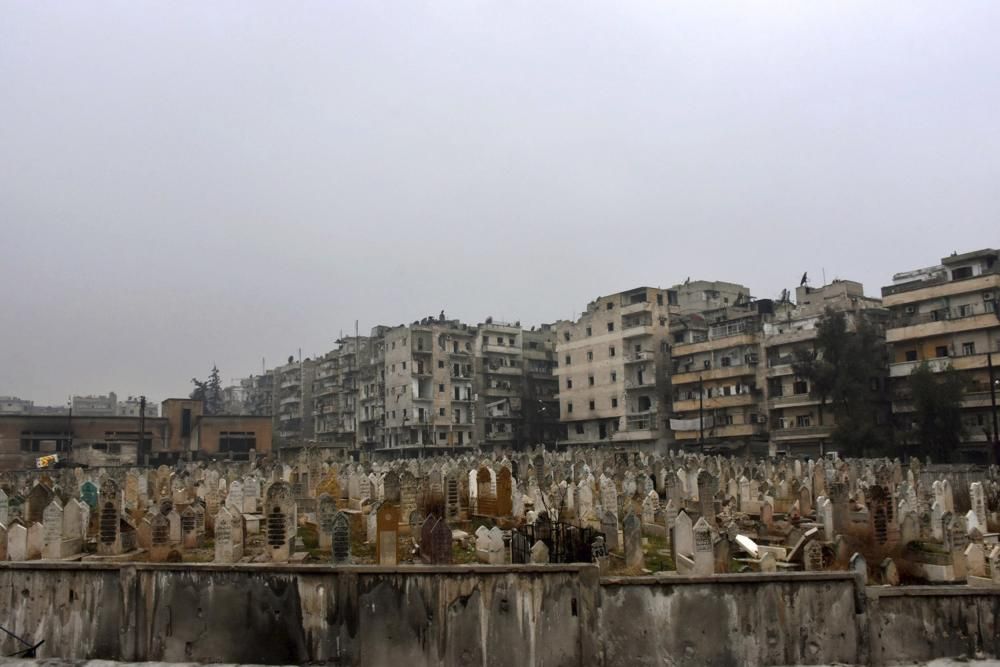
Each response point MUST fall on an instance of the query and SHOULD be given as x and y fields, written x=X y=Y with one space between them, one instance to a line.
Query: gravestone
x=704 y=556
x=4 y=508
x=17 y=542
x=160 y=547
x=609 y=526
x=280 y=530
x=326 y=510
x=441 y=543
x=109 y=541
x=38 y=499
x=190 y=537
x=813 y=556
x=632 y=536
x=228 y=537
x=340 y=530
x=683 y=542
x=539 y=553
x=387 y=538
x=505 y=504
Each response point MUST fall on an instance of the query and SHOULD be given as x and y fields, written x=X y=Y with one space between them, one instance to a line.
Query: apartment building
x=540 y=397
x=95 y=406
x=795 y=423
x=429 y=402
x=12 y=405
x=499 y=383
x=335 y=393
x=947 y=316
x=612 y=372
x=293 y=402
x=371 y=394
x=132 y=406
x=717 y=378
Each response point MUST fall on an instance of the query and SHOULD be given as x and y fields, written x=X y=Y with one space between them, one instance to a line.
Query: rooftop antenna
x=824 y=275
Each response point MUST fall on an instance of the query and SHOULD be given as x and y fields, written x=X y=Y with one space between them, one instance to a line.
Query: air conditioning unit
x=988 y=296
x=909 y=310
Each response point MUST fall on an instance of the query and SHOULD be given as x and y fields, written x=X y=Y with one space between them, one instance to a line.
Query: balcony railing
x=635 y=357
x=943 y=314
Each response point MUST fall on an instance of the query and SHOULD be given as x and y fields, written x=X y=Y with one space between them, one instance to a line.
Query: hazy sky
x=183 y=183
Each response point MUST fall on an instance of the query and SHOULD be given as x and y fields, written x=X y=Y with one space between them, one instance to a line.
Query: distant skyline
x=183 y=184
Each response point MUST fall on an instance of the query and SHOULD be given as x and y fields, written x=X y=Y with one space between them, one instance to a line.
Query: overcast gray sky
x=183 y=183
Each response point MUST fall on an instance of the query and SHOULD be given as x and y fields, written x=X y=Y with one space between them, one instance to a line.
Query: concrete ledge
x=741 y=578
x=269 y=568
x=948 y=590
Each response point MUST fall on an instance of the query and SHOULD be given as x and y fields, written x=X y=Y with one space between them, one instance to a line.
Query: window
x=727 y=420
x=964 y=310
x=442 y=435
x=441 y=412
x=800 y=387
x=499 y=340
x=566 y=335
x=591 y=380
x=589 y=331
x=590 y=356
x=610 y=305
x=611 y=351
x=186 y=423
x=803 y=421
x=569 y=360
x=614 y=376
x=941 y=351
x=569 y=408
x=404 y=365
x=440 y=363
x=591 y=405
x=611 y=326
x=960 y=273
x=614 y=402
x=659 y=299
x=911 y=355
x=726 y=361
x=392 y=368
x=968 y=348
x=440 y=388
x=579 y=428
x=569 y=383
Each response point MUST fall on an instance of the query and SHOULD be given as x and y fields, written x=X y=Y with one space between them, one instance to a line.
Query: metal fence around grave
x=566 y=543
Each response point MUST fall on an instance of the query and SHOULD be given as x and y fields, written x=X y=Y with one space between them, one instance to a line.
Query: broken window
x=611 y=326
x=614 y=402
x=591 y=380
x=911 y=355
x=592 y=405
x=569 y=383
x=611 y=351
x=941 y=351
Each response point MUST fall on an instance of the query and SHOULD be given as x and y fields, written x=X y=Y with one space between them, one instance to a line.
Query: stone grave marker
x=632 y=536
x=341 y=539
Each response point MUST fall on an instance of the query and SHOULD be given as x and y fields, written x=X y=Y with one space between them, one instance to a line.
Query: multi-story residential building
x=428 y=387
x=131 y=406
x=499 y=373
x=612 y=371
x=12 y=405
x=716 y=377
x=95 y=406
x=947 y=316
x=540 y=398
x=335 y=393
x=293 y=414
x=370 y=435
x=796 y=423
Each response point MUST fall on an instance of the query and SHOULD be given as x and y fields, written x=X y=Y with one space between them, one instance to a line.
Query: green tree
x=845 y=371
x=200 y=391
x=937 y=405
x=213 y=395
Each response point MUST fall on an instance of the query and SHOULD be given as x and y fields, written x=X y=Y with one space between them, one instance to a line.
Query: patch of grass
x=654 y=559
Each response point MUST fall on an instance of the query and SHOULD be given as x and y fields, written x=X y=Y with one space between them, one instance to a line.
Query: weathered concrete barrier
x=502 y=615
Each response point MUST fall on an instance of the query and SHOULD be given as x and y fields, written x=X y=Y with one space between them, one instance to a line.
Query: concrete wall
x=557 y=615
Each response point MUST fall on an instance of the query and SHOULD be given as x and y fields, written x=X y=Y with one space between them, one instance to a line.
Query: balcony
x=290 y=400
x=935 y=365
x=714 y=402
x=636 y=385
x=503 y=370
x=639 y=357
x=288 y=384
x=793 y=401
x=923 y=326
x=493 y=348
x=741 y=339
x=637 y=434
x=719 y=373
x=801 y=432
x=633 y=308
x=638 y=331
x=727 y=431
x=421 y=351
x=938 y=287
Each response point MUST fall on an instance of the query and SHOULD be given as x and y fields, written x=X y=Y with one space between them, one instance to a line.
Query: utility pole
x=993 y=404
x=141 y=456
x=69 y=427
x=701 y=412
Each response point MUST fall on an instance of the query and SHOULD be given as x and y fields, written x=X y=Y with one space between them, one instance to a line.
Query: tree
x=937 y=404
x=209 y=391
x=845 y=370
x=213 y=397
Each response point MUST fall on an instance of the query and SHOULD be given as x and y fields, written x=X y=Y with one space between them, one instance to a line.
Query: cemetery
x=616 y=533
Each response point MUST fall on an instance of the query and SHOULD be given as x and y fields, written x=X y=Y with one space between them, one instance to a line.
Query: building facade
x=612 y=370
x=946 y=316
